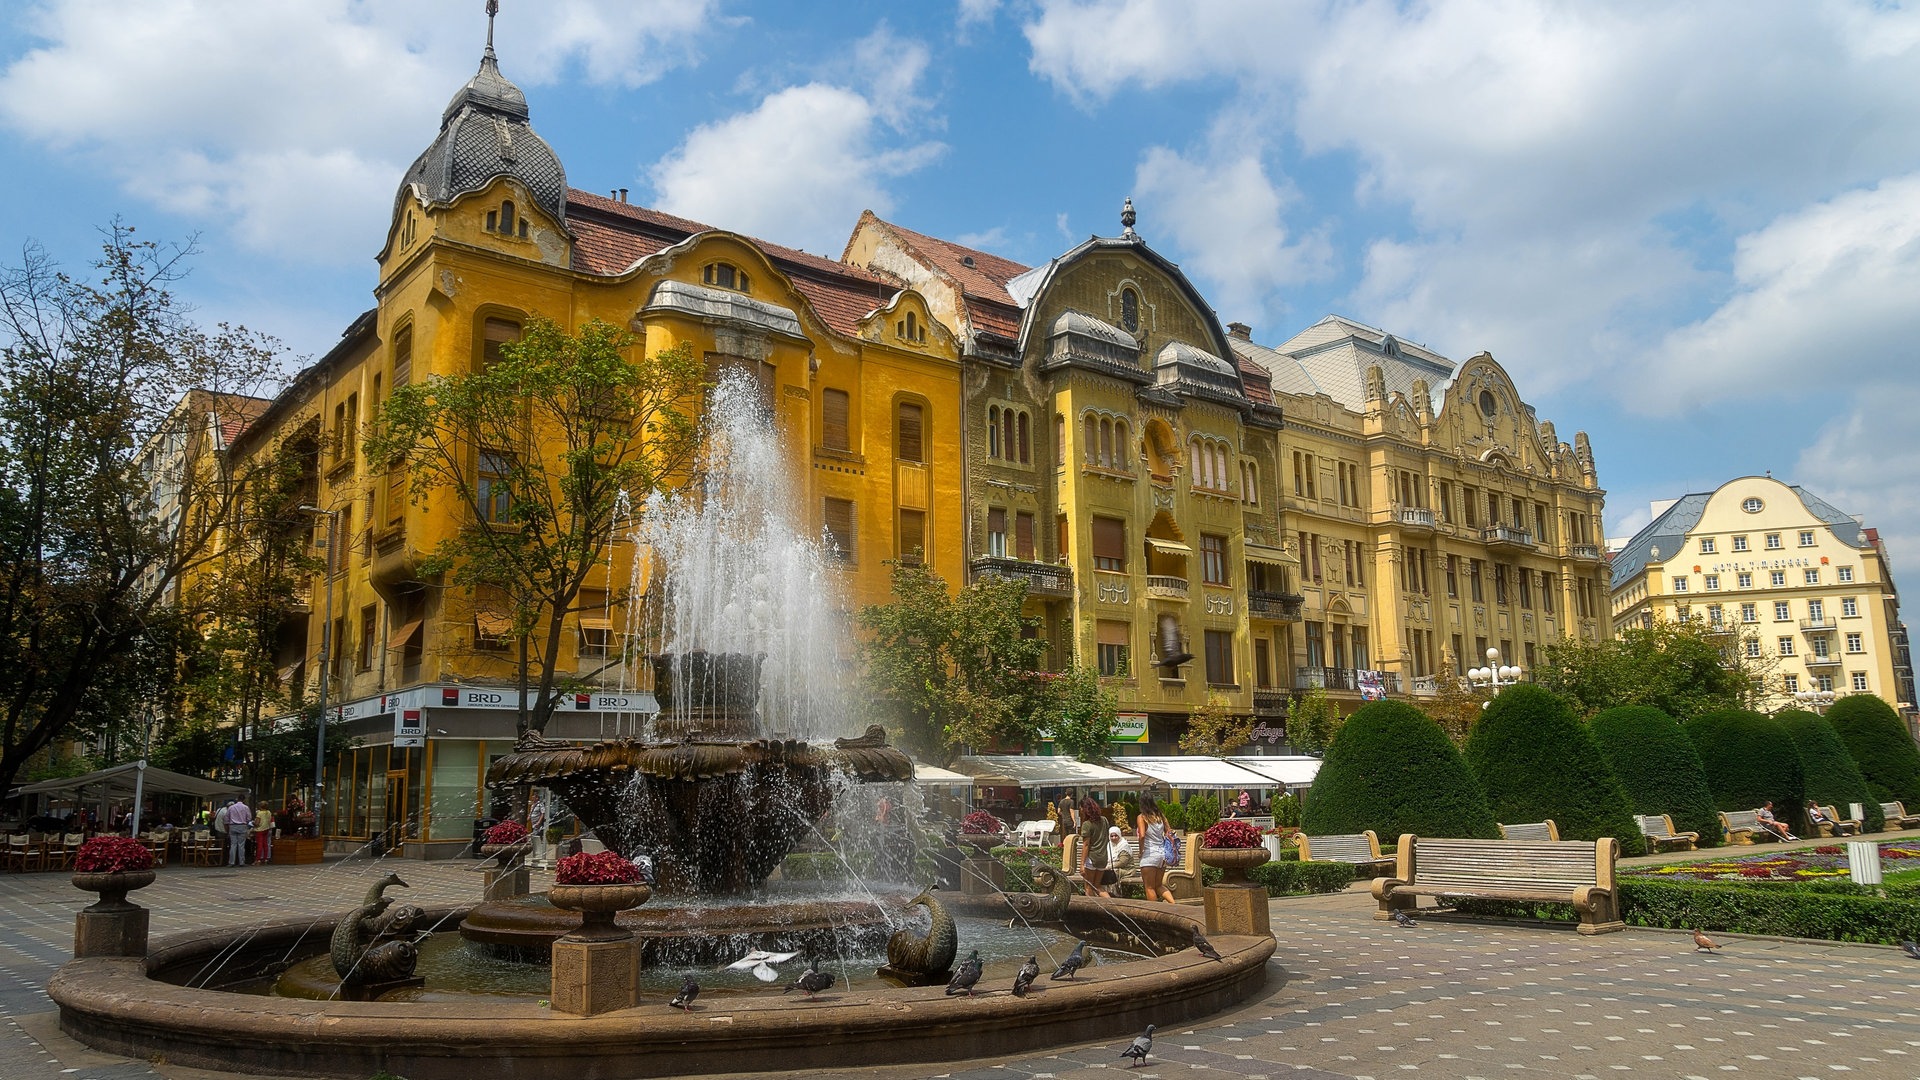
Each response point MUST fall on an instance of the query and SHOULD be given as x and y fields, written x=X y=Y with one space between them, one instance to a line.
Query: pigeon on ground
x=1703 y=943
x=1071 y=965
x=965 y=975
x=1911 y=948
x=1029 y=971
x=1205 y=947
x=688 y=991
x=812 y=980
x=1141 y=1046
x=1403 y=919
x=761 y=964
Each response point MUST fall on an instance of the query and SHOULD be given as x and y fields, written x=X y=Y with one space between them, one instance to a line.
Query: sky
x=1690 y=230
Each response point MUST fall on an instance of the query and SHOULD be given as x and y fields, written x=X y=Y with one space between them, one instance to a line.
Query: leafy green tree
x=1213 y=730
x=1749 y=760
x=578 y=427
x=1394 y=771
x=1536 y=761
x=1313 y=722
x=1079 y=713
x=950 y=669
x=1658 y=768
x=1832 y=777
x=1681 y=668
x=1881 y=747
x=95 y=540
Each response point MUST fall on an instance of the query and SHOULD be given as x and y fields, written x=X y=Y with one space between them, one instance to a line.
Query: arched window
x=1122 y=446
x=1197 y=453
x=1106 y=444
x=1026 y=442
x=1091 y=436
x=1220 y=466
x=1130 y=310
x=1006 y=434
x=993 y=431
x=909 y=434
x=506 y=217
x=1059 y=440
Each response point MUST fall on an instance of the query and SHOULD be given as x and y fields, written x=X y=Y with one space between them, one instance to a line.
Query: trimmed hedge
x=1832 y=778
x=1749 y=760
x=1019 y=861
x=1881 y=746
x=1658 y=768
x=1292 y=877
x=1394 y=771
x=1535 y=761
x=814 y=866
x=1782 y=910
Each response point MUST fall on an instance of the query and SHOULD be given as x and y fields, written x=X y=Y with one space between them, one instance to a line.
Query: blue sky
x=1692 y=231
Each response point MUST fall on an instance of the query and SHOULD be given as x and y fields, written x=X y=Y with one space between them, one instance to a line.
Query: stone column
x=593 y=977
x=501 y=885
x=1237 y=909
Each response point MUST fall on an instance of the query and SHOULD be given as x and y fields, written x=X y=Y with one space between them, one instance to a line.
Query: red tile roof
x=982 y=278
x=1256 y=379
x=237 y=412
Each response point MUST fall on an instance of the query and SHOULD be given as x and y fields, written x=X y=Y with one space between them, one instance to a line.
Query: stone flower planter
x=597 y=905
x=113 y=888
x=981 y=843
x=1233 y=863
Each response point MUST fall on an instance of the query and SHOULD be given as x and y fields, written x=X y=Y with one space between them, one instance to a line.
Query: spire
x=1127 y=218
x=493 y=8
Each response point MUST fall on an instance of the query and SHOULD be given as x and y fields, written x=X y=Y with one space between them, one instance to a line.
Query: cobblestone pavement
x=1347 y=997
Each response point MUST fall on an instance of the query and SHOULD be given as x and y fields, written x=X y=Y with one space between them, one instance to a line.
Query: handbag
x=1173 y=850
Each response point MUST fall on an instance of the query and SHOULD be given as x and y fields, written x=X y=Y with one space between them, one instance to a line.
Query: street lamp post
x=326 y=664
x=1817 y=700
x=1495 y=676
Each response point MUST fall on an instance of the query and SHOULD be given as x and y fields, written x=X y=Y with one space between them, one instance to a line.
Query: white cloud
x=292 y=123
x=974 y=12
x=1862 y=464
x=993 y=240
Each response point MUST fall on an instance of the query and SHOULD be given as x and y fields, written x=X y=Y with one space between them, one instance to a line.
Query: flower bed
x=1805 y=864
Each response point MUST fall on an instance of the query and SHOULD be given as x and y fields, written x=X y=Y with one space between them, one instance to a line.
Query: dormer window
x=504 y=222
x=724 y=276
x=911 y=328
x=1130 y=311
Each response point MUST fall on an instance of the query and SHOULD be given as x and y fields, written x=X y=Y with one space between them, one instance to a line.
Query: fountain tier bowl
x=138 y=1008
x=688 y=933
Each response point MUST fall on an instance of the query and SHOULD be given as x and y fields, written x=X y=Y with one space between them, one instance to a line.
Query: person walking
x=1093 y=849
x=1151 y=828
x=239 y=827
x=262 y=836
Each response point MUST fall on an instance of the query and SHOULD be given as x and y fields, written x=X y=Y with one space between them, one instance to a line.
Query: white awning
x=1170 y=547
x=935 y=776
x=1290 y=771
x=1029 y=771
x=1193 y=772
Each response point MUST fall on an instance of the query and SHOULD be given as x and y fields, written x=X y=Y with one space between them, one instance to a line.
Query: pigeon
x=761 y=964
x=1071 y=965
x=812 y=980
x=1911 y=949
x=688 y=991
x=965 y=975
x=1703 y=943
x=1403 y=919
x=1205 y=947
x=1141 y=1046
x=1029 y=971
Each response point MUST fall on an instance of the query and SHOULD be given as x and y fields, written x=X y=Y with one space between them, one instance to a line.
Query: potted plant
x=598 y=885
x=507 y=836
x=112 y=866
x=981 y=830
x=1233 y=846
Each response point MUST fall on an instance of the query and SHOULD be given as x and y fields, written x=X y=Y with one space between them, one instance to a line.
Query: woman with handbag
x=1156 y=849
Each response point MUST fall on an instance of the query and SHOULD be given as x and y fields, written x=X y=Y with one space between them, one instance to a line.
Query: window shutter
x=906 y=438
x=833 y=420
x=838 y=520
x=913 y=536
x=498 y=333
x=1115 y=633
x=1023 y=536
x=403 y=357
x=1110 y=539
x=996 y=520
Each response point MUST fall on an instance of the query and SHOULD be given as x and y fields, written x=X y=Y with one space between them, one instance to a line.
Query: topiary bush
x=1831 y=776
x=1394 y=771
x=1286 y=811
x=1284 y=878
x=1658 y=768
x=1202 y=812
x=1880 y=746
x=1535 y=761
x=1749 y=760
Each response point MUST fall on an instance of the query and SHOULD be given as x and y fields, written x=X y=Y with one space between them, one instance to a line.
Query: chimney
x=623 y=194
x=1240 y=330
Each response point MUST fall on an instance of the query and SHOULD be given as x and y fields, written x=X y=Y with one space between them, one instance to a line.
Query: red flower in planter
x=1827 y=849
x=507 y=832
x=598 y=868
x=1231 y=833
x=112 y=855
x=981 y=823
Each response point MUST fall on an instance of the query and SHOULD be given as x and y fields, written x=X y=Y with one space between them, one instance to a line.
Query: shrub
x=1881 y=748
x=112 y=855
x=1827 y=912
x=1176 y=815
x=1831 y=776
x=1749 y=760
x=597 y=868
x=1286 y=811
x=1658 y=768
x=1536 y=761
x=1294 y=877
x=1019 y=862
x=1394 y=771
x=1202 y=812
x=813 y=866
x=1233 y=833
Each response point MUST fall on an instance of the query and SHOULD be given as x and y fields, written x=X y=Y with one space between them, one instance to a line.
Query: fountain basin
x=120 y=1005
x=702 y=934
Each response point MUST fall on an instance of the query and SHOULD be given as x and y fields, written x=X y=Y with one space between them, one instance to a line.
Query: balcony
x=1584 y=552
x=1817 y=623
x=1823 y=660
x=1413 y=517
x=1269 y=702
x=1164 y=587
x=1043 y=579
x=1426 y=686
x=1274 y=606
x=1328 y=678
x=1506 y=536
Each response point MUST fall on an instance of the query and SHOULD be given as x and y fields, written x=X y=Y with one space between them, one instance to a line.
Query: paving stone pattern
x=1347 y=997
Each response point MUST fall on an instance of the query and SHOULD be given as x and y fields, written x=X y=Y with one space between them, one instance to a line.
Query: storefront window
x=456 y=787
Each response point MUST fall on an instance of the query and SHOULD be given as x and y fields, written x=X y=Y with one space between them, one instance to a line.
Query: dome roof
x=484 y=134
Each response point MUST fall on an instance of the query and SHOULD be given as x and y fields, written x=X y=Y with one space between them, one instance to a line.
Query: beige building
x=1808 y=588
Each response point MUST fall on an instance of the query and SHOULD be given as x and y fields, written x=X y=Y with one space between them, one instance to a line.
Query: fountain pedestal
x=1237 y=909
x=114 y=926
x=500 y=885
x=594 y=977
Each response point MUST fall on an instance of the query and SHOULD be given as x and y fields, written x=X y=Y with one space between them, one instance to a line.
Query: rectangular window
x=1446 y=503
x=1713 y=582
x=1219 y=657
x=913 y=537
x=495 y=333
x=1706 y=545
x=1843 y=574
x=1856 y=643
x=1459 y=657
x=1213 y=559
x=1110 y=544
x=1806 y=538
x=835 y=409
x=1548 y=588
x=1749 y=612
x=1816 y=611
x=1777 y=578
x=1473 y=580
x=1849 y=607
x=1716 y=617
x=1680 y=583
x=1818 y=643
x=1262 y=664
x=1781 y=613
x=492 y=630
x=1753 y=647
x=1525 y=577
x=1739 y=543
x=996 y=532
x=396 y=493
x=1469 y=498
x=1316 y=645
x=908 y=444
x=1023 y=536
x=1792 y=683
x=1500 y=583
x=836 y=526
x=1823 y=682
x=1744 y=580
x=1860 y=681
x=1813 y=576
x=1453 y=578
x=1115 y=645
x=1773 y=541
x=1786 y=646
x=368 y=616
x=1062 y=536
x=492 y=493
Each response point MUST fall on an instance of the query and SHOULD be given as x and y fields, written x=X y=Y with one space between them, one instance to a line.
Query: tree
x=1536 y=761
x=95 y=546
x=1832 y=777
x=1881 y=746
x=1750 y=760
x=1394 y=771
x=1681 y=668
x=1658 y=767
x=1213 y=730
x=1313 y=722
x=575 y=429
x=1080 y=713
x=1455 y=708
x=951 y=669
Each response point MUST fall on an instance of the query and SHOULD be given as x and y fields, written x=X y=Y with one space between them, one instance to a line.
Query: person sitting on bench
x=1772 y=824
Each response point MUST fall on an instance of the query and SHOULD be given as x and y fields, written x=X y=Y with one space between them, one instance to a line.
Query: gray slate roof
x=485 y=133
x=1332 y=357
x=1668 y=532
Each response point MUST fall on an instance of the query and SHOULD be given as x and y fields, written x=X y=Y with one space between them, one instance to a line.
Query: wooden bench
x=1360 y=849
x=1743 y=827
x=1839 y=826
x=1658 y=829
x=1897 y=816
x=1577 y=872
x=1532 y=830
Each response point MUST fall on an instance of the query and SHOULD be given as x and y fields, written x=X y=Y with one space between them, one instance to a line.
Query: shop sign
x=409 y=729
